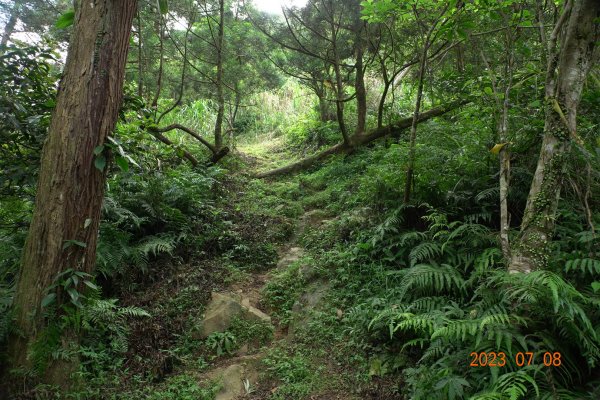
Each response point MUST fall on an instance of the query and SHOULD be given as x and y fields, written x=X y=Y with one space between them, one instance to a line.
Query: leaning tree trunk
x=565 y=77
x=64 y=227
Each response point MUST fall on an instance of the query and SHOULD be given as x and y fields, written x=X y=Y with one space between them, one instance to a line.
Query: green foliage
x=67 y=282
x=221 y=342
x=27 y=96
x=282 y=291
x=307 y=134
x=294 y=371
x=256 y=332
x=183 y=387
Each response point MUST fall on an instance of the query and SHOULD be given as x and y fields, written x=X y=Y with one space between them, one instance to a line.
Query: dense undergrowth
x=423 y=286
x=412 y=289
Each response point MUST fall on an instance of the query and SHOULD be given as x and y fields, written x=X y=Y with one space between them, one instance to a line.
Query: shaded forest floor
x=300 y=354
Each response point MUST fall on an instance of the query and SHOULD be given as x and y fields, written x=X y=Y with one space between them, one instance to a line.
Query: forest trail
x=241 y=374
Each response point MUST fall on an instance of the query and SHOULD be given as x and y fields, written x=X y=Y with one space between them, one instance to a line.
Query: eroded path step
x=223 y=309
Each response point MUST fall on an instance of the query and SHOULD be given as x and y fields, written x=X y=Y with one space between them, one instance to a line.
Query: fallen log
x=362 y=139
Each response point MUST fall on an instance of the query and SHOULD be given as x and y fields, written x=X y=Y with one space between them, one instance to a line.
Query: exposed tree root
x=362 y=139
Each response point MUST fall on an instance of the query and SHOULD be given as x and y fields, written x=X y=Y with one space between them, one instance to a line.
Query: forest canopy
x=319 y=199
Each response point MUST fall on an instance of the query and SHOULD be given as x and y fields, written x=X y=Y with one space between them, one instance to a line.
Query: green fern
x=516 y=385
x=423 y=279
x=583 y=265
x=425 y=251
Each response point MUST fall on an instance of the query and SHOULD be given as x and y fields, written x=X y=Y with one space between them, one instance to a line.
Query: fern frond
x=516 y=385
x=589 y=266
x=424 y=251
x=428 y=279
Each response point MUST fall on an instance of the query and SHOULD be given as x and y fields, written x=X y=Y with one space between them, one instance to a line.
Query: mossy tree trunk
x=572 y=50
x=70 y=188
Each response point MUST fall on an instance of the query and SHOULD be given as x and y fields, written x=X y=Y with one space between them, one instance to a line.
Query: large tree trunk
x=70 y=188
x=220 y=96
x=359 y=140
x=566 y=74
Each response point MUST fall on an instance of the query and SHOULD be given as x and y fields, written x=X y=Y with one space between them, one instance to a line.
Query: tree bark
x=219 y=80
x=70 y=189
x=413 y=129
x=359 y=86
x=359 y=140
x=161 y=38
x=565 y=77
x=140 y=88
x=339 y=87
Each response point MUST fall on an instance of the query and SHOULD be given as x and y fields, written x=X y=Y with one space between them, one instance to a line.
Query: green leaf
x=163 y=6
x=98 y=150
x=65 y=20
x=49 y=299
x=488 y=90
x=91 y=285
x=87 y=223
x=100 y=162
x=596 y=286
x=74 y=294
x=122 y=163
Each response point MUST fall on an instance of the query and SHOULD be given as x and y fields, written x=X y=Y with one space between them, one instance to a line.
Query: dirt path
x=239 y=374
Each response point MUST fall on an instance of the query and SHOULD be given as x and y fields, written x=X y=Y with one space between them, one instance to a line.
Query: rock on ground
x=223 y=309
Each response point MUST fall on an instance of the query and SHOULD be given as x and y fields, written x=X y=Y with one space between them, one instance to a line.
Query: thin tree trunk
x=140 y=56
x=361 y=92
x=219 y=80
x=70 y=188
x=323 y=114
x=386 y=87
x=504 y=181
x=339 y=103
x=413 y=129
x=504 y=154
x=9 y=28
x=389 y=83
x=502 y=136
x=161 y=39
x=565 y=77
